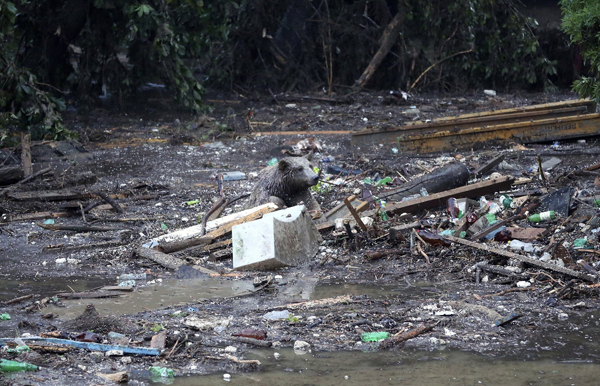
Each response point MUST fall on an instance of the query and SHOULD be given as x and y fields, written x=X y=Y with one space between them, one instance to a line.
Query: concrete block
x=283 y=238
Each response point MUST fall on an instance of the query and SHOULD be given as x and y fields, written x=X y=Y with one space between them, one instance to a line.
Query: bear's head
x=298 y=172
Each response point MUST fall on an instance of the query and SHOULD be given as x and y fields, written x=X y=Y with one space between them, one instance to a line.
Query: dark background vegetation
x=87 y=50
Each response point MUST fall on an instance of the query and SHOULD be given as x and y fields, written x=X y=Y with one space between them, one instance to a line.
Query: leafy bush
x=581 y=20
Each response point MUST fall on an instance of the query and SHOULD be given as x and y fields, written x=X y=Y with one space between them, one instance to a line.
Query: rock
x=120 y=377
x=301 y=347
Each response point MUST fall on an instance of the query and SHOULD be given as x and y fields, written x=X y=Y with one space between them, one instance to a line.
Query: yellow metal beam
x=514 y=115
x=523 y=132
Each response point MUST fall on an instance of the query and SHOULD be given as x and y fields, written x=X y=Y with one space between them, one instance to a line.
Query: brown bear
x=286 y=184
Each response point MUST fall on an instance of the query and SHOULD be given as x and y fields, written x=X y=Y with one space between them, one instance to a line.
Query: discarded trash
x=491 y=93
x=9 y=366
x=163 y=372
x=452 y=208
x=374 y=336
x=340 y=171
x=508 y=319
x=506 y=201
x=276 y=315
x=88 y=336
x=133 y=276
x=230 y=176
x=544 y=216
x=580 y=243
x=193 y=202
x=4 y=317
x=49 y=221
x=520 y=246
x=272 y=161
x=433 y=239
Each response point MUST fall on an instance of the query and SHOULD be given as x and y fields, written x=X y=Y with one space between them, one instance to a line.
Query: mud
x=171 y=156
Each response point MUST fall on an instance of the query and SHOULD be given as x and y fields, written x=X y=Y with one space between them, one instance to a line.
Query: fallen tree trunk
x=387 y=41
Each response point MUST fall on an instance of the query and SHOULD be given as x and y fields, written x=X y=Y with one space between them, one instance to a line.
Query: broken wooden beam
x=438 y=199
x=197 y=230
x=49 y=195
x=525 y=259
x=489 y=166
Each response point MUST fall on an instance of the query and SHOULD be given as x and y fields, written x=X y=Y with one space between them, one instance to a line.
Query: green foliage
x=157 y=327
x=25 y=103
x=581 y=21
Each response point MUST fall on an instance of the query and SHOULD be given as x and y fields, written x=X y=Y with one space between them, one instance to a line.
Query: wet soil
x=170 y=158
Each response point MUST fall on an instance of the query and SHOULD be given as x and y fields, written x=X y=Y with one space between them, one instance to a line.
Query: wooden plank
x=528 y=260
x=49 y=195
x=523 y=132
x=438 y=199
x=489 y=166
x=196 y=230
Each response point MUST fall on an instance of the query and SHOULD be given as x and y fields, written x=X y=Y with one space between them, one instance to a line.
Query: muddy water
x=171 y=292
x=443 y=368
x=161 y=294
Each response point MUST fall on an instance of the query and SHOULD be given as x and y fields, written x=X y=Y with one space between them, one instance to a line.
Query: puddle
x=434 y=368
x=10 y=289
x=152 y=296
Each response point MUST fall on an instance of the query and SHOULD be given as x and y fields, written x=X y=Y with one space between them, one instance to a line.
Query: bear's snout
x=314 y=180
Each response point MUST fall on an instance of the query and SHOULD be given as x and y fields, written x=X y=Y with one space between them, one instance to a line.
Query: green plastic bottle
x=6 y=366
x=544 y=216
x=162 y=372
x=374 y=336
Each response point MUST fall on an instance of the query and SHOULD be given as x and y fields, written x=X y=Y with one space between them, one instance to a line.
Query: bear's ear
x=283 y=165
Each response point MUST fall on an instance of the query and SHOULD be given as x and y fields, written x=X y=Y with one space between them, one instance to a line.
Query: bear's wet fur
x=286 y=184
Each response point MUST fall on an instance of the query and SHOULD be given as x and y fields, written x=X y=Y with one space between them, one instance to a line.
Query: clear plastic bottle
x=521 y=246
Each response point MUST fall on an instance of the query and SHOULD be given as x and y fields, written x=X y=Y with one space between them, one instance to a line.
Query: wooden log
x=525 y=259
x=387 y=41
x=10 y=174
x=163 y=259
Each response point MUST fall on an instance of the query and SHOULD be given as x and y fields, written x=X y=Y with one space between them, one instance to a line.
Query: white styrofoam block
x=283 y=238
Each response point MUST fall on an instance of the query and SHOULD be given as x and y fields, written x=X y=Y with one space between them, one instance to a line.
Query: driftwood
x=64 y=248
x=110 y=201
x=23 y=181
x=208 y=238
x=387 y=41
x=252 y=341
x=525 y=259
x=399 y=338
x=19 y=299
x=76 y=228
x=163 y=259
x=49 y=195
x=87 y=295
